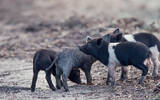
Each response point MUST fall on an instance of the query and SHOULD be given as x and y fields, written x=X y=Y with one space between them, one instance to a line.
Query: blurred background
x=29 y=25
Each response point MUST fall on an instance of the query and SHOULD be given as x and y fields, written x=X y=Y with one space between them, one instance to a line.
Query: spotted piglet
x=118 y=54
x=148 y=39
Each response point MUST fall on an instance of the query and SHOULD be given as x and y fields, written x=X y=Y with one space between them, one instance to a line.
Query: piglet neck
x=93 y=59
x=103 y=54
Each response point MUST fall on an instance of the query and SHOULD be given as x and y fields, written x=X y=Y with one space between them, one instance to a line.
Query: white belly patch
x=130 y=38
x=113 y=61
x=154 y=51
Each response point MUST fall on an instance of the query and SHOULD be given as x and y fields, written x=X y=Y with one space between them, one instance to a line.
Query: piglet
x=68 y=59
x=148 y=39
x=118 y=54
x=42 y=60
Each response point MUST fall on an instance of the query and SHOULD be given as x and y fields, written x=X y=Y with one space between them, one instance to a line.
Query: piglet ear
x=119 y=36
x=88 y=38
x=116 y=31
x=107 y=37
x=99 y=41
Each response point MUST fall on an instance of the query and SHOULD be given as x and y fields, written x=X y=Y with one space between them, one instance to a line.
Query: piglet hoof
x=112 y=85
x=58 y=87
x=107 y=82
x=90 y=83
x=154 y=74
x=66 y=90
x=32 y=89
x=141 y=80
x=156 y=77
x=53 y=89
x=122 y=79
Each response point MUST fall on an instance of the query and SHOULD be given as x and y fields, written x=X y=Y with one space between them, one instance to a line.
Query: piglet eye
x=89 y=44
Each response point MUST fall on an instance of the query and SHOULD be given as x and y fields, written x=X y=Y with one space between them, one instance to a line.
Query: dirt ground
x=29 y=25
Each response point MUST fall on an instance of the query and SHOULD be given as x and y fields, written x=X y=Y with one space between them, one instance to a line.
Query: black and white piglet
x=118 y=54
x=148 y=39
x=42 y=60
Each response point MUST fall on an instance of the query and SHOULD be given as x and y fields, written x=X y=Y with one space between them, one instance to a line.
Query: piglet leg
x=34 y=80
x=87 y=71
x=48 y=78
x=111 y=72
x=144 y=72
x=124 y=73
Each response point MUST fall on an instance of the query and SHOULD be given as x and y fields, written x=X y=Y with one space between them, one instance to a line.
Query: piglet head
x=116 y=36
x=94 y=46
